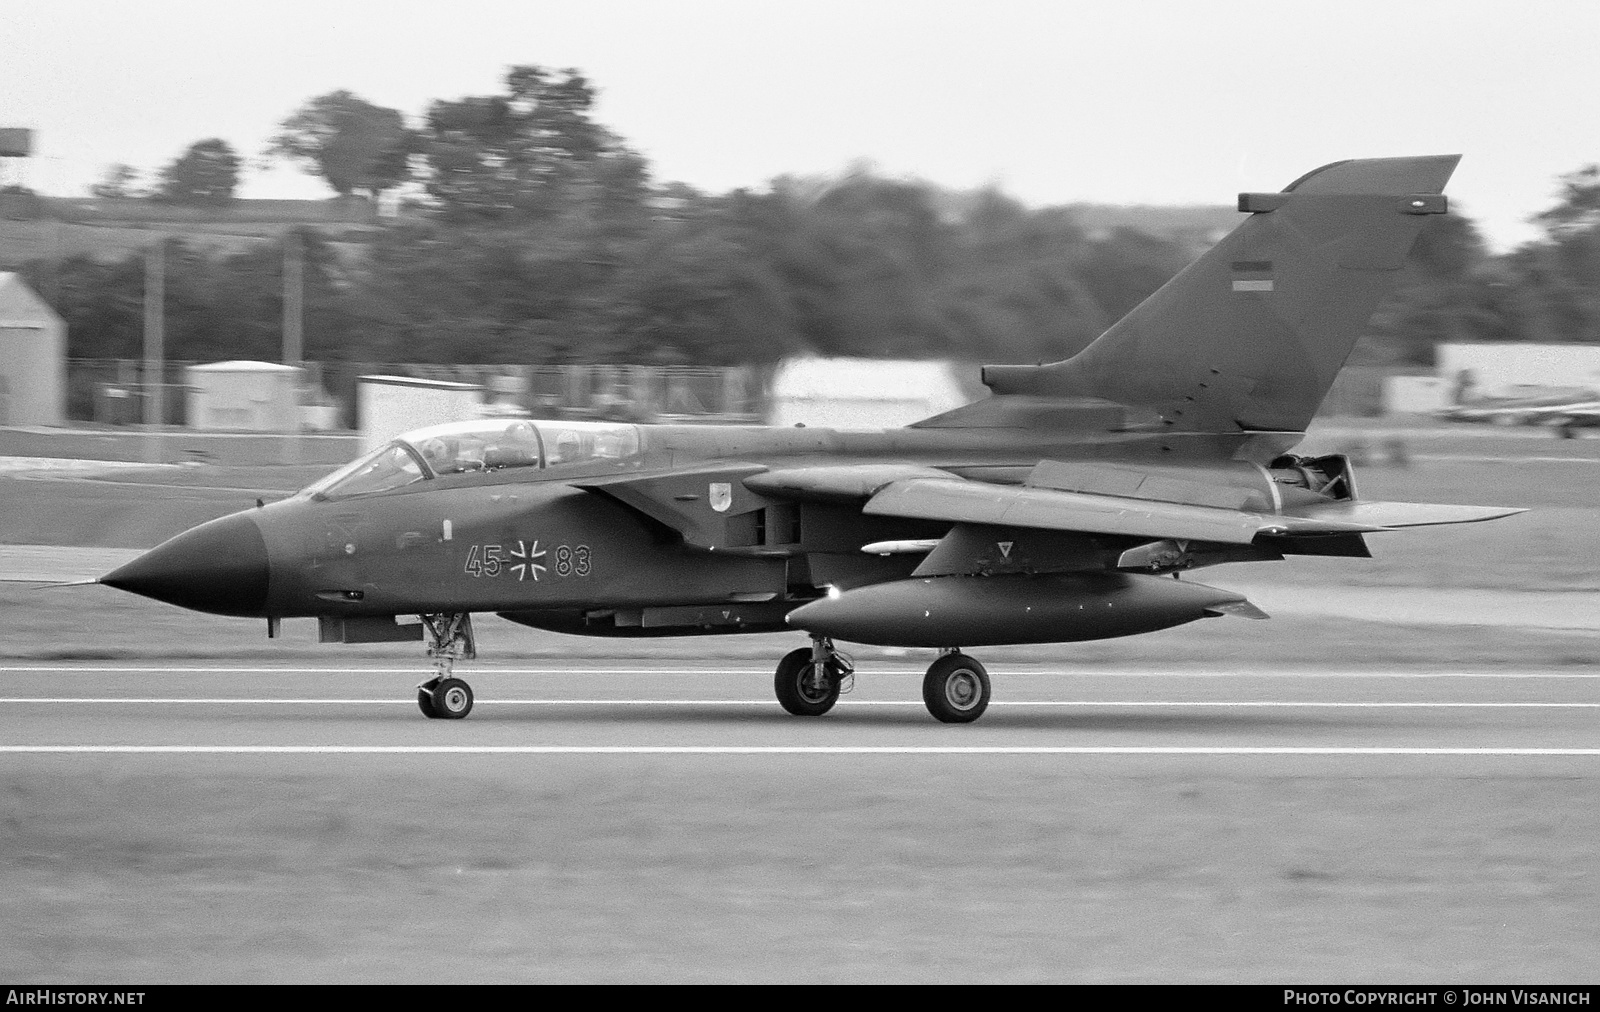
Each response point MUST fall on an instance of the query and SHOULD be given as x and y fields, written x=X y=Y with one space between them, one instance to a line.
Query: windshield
x=388 y=467
x=481 y=446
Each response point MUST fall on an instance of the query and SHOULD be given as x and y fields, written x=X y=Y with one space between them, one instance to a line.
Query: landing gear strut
x=449 y=638
x=956 y=689
x=809 y=679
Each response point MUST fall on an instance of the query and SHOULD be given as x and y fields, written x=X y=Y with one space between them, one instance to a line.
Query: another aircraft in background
x=1564 y=409
x=1061 y=508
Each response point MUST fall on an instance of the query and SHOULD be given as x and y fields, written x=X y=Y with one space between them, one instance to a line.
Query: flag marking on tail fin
x=1252 y=275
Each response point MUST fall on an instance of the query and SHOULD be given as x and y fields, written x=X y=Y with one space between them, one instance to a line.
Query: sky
x=1110 y=101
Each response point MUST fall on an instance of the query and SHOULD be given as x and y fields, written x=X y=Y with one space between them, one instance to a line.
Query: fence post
x=155 y=280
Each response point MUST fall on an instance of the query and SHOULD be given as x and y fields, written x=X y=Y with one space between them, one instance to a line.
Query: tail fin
x=1251 y=335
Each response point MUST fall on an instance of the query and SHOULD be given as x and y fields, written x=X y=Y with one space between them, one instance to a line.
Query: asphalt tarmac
x=639 y=821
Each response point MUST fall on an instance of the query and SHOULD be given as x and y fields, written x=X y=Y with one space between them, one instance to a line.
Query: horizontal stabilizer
x=1394 y=515
x=1238 y=609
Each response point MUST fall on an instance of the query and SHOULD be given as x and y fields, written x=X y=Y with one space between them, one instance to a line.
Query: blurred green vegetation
x=536 y=235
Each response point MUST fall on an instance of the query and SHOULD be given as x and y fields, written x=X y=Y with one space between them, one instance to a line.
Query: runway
x=713 y=709
x=660 y=821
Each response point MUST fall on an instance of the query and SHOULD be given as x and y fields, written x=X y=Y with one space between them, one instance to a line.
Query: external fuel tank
x=970 y=611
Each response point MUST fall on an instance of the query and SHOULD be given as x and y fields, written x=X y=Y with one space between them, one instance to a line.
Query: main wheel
x=956 y=689
x=452 y=699
x=799 y=691
x=425 y=702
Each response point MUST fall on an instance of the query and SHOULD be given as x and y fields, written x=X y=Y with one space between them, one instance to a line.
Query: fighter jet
x=1063 y=507
x=1561 y=409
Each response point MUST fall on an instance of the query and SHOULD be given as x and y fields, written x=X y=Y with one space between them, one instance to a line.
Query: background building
x=390 y=405
x=246 y=396
x=851 y=393
x=33 y=357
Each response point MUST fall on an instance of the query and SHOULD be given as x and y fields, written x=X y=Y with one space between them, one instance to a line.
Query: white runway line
x=1453 y=457
x=764 y=703
x=415 y=669
x=1082 y=750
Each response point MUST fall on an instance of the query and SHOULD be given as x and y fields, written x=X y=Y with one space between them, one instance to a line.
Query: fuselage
x=541 y=537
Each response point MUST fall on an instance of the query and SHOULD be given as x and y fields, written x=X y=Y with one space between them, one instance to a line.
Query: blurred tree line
x=535 y=235
x=1544 y=291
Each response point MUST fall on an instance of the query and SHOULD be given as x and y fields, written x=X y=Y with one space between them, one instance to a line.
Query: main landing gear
x=810 y=679
x=956 y=689
x=449 y=638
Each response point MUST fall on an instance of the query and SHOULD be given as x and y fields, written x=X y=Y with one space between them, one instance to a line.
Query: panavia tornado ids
x=1063 y=507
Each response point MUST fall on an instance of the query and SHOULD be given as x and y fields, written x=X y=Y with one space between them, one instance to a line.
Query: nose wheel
x=444 y=696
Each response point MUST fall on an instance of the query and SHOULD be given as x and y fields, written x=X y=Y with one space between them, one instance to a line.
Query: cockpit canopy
x=486 y=445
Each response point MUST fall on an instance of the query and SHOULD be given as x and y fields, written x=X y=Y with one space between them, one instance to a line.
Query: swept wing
x=961 y=501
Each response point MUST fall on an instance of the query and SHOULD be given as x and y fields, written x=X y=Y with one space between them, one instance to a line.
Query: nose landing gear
x=444 y=696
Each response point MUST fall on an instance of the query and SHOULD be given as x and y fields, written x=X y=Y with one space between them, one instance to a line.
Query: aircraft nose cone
x=219 y=567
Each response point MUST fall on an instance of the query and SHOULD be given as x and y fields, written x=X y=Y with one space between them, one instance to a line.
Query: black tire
x=956 y=689
x=425 y=703
x=796 y=694
x=452 y=699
